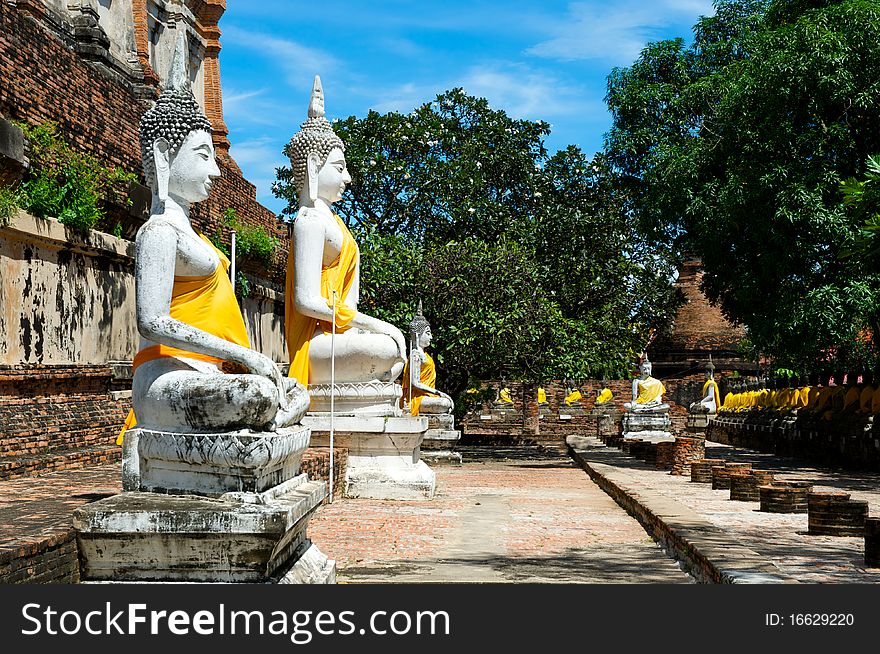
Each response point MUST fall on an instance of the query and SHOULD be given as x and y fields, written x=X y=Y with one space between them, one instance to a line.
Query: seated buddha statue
x=710 y=402
x=504 y=396
x=323 y=271
x=647 y=392
x=573 y=395
x=420 y=373
x=188 y=318
x=604 y=395
x=542 y=395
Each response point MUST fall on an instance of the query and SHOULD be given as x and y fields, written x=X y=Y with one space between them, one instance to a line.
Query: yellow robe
x=542 y=396
x=504 y=395
x=604 y=396
x=207 y=303
x=573 y=397
x=339 y=276
x=714 y=385
x=428 y=376
x=650 y=390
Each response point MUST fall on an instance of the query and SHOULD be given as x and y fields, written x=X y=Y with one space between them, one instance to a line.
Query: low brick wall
x=316 y=463
x=53 y=559
x=524 y=423
x=57 y=417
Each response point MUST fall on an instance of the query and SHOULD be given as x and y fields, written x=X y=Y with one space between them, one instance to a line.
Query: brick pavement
x=35 y=508
x=530 y=517
x=780 y=540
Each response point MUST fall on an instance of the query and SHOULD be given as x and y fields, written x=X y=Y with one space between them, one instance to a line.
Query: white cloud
x=615 y=33
x=258 y=158
x=520 y=91
x=300 y=63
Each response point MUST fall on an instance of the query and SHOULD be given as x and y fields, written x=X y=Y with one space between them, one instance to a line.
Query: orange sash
x=428 y=376
x=339 y=276
x=207 y=303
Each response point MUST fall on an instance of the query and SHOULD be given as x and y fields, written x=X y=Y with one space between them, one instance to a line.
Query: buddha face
x=645 y=368
x=425 y=338
x=192 y=170
x=332 y=177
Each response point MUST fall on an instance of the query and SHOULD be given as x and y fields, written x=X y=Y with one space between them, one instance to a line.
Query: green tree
x=734 y=149
x=524 y=262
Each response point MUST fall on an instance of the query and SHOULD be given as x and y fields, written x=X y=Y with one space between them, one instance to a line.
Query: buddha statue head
x=420 y=329
x=645 y=367
x=176 y=143
x=317 y=155
x=710 y=369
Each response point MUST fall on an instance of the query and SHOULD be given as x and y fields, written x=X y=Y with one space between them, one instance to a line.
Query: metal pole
x=232 y=262
x=332 y=390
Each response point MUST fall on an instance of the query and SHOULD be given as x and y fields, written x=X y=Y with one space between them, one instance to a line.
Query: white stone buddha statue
x=324 y=268
x=710 y=402
x=420 y=376
x=647 y=392
x=187 y=315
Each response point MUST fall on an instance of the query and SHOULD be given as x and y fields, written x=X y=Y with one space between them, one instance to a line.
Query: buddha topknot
x=175 y=114
x=316 y=136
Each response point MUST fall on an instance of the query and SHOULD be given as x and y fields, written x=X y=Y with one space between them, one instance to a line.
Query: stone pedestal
x=367 y=399
x=439 y=440
x=573 y=409
x=651 y=425
x=213 y=464
x=383 y=454
x=606 y=421
x=237 y=537
x=223 y=507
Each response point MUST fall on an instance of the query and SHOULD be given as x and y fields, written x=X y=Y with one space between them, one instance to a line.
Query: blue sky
x=544 y=60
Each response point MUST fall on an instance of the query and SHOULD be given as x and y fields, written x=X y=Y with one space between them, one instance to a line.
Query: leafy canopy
x=734 y=149
x=526 y=265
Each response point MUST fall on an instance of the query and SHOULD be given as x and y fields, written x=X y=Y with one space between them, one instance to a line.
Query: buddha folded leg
x=189 y=396
x=360 y=357
x=434 y=405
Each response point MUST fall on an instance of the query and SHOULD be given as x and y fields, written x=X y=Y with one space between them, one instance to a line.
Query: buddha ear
x=313 y=164
x=161 y=162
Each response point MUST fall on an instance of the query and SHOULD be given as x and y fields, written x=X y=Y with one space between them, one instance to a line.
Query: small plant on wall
x=252 y=243
x=66 y=184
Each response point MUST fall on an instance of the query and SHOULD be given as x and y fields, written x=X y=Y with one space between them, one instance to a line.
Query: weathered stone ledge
x=709 y=553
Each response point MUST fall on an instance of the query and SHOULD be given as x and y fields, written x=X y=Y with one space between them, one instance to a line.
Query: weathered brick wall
x=524 y=427
x=45 y=560
x=316 y=463
x=42 y=79
x=57 y=417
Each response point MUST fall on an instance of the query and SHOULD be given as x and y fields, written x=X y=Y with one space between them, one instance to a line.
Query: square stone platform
x=384 y=454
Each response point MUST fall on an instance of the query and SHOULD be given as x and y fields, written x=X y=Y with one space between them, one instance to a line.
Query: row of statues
x=195 y=370
x=824 y=401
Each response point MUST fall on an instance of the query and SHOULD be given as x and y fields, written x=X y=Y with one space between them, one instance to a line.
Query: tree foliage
x=734 y=149
x=526 y=266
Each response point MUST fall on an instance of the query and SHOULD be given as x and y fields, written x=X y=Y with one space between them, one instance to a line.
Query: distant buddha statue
x=542 y=395
x=504 y=396
x=710 y=402
x=647 y=392
x=323 y=271
x=574 y=395
x=604 y=395
x=187 y=315
x=420 y=374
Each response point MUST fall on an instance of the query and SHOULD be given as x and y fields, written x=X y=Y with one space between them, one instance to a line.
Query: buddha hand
x=260 y=364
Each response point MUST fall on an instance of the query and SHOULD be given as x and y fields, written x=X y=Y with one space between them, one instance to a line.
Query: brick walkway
x=779 y=541
x=532 y=517
x=35 y=508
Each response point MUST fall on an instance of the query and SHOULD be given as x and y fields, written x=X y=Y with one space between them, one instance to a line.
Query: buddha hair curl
x=175 y=114
x=316 y=136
